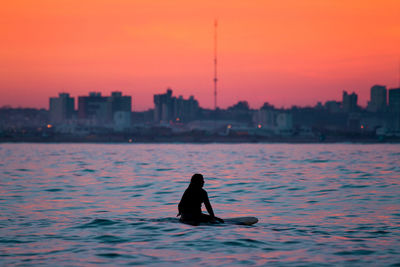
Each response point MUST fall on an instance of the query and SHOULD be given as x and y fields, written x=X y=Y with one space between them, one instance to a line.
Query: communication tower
x=215 y=64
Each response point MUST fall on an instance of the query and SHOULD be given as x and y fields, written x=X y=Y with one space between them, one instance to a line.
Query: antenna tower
x=399 y=73
x=215 y=64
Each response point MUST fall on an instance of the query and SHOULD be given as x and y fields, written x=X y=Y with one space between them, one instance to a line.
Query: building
x=378 y=101
x=265 y=118
x=101 y=110
x=284 y=121
x=240 y=112
x=121 y=109
x=349 y=102
x=168 y=108
x=394 y=100
x=122 y=121
x=120 y=102
x=276 y=121
x=95 y=109
x=333 y=106
x=61 y=108
x=394 y=109
x=163 y=107
x=185 y=110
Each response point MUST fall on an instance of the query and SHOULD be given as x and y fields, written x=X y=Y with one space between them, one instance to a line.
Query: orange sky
x=283 y=52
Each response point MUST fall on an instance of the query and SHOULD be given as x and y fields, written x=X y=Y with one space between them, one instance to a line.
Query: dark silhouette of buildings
x=349 y=102
x=168 y=109
x=240 y=111
x=61 y=108
x=120 y=103
x=333 y=106
x=163 y=107
x=96 y=109
x=394 y=100
x=23 y=118
x=110 y=118
x=276 y=121
x=394 y=109
x=378 y=99
x=121 y=110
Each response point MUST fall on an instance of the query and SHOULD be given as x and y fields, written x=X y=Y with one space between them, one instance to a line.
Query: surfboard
x=241 y=220
x=236 y=220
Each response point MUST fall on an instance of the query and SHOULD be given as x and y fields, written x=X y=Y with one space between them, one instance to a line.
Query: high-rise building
x=185 y=109
x=349 y=102
x=394 y=109
x=61 y=108
x=102 y=109
x=120 y=102
x=121 y=108
x=95 y=108
x=333 y=106
x=378 y=101
x=269 y=118
x=168 y=108
x=394 y=100
x=163 y=107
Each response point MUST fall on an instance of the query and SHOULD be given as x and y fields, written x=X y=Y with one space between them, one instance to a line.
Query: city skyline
x=339 y=98
x=292 y=53
x=98 y=117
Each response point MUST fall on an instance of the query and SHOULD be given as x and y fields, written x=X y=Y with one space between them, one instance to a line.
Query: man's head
x=197 y=180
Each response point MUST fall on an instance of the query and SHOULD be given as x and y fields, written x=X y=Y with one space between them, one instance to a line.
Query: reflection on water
x=115 y=204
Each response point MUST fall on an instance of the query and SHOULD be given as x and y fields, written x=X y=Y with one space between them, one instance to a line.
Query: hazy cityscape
x=98 y=118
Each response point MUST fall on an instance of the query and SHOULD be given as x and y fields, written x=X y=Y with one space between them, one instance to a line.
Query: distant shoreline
x=201 y=140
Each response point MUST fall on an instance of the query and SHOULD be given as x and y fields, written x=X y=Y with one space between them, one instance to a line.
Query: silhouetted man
x=190 y=206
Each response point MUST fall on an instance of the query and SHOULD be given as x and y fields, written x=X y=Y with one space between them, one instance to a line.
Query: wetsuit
x=190 y=206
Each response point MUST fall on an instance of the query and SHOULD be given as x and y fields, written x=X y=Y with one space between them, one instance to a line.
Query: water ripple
x=110 y=204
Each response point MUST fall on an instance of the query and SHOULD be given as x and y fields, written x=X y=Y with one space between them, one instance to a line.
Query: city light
x=174 y=118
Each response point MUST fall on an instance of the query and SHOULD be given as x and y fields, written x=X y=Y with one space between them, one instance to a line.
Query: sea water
x=115 y=204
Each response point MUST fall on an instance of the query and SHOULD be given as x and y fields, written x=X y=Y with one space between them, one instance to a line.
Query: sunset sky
x=288 y=52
